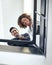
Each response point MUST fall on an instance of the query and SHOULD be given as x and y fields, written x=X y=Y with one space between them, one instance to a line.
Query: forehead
x=14 y=29
x=24 y=18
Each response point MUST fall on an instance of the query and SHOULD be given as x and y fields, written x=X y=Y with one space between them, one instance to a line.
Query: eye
x=14 y=30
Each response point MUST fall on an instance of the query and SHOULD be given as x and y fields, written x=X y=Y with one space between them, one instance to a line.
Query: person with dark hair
x=25 y=21
x=14 y=32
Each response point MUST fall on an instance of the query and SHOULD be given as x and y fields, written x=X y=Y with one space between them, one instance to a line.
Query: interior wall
x=11 y=9
x=1 y=21
x=28 y=7
x=1 y=24
x=49 y=36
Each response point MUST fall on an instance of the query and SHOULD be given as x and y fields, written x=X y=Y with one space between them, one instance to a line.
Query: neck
x=17 y=35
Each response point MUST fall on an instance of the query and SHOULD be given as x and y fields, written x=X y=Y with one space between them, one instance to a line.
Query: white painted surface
x=11 y=9
x=20 y=59
x=49 y=36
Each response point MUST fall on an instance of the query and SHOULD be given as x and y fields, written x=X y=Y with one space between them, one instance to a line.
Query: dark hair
x=12 y=28
x=23 y=16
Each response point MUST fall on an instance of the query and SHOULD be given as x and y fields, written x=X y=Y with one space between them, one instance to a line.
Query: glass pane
x=10 y=12
x=38 y=15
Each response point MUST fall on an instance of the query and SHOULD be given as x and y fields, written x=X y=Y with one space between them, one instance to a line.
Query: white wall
x=28 y=7
x=11 y=9
x=20 y=59
x=1 y=21
x=1 y=24
x=49 y=36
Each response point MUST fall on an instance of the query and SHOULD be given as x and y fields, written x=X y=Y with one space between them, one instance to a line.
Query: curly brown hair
x=23 y=16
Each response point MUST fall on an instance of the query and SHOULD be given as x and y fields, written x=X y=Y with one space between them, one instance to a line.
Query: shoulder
x=26 y=34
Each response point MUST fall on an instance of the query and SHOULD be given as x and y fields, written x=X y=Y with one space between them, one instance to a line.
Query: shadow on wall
x=3 y=64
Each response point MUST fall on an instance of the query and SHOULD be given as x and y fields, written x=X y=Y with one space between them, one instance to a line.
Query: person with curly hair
x=25 y=21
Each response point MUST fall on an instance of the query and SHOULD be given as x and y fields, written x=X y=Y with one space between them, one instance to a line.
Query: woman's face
x=25 y=21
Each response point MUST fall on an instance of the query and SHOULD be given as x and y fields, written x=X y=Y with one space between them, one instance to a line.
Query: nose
x=25 y=22
x=14 y=32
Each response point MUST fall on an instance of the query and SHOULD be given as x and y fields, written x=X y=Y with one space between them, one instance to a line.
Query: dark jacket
x=26 y=38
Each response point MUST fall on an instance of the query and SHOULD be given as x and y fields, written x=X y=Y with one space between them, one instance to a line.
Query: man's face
x=14 y=32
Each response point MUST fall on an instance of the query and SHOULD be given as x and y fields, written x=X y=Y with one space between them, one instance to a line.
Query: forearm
x=26 y=38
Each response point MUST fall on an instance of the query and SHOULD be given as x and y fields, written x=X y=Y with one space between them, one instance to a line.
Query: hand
x=21 y=37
